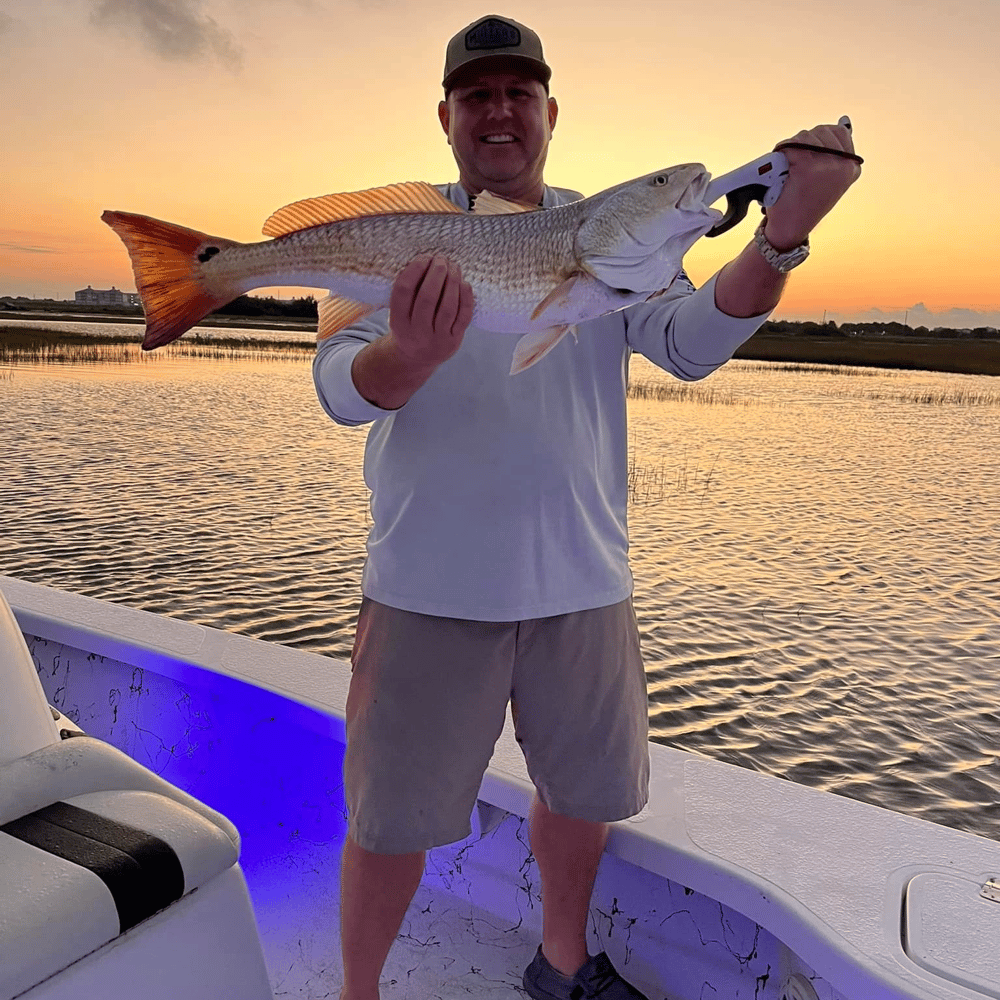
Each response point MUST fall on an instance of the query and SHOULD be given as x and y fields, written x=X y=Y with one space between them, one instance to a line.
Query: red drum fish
x=532 y=271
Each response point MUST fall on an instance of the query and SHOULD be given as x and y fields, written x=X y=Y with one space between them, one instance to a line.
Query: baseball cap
x=493 y=36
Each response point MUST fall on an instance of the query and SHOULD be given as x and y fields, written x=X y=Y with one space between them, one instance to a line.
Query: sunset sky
x=213 y=113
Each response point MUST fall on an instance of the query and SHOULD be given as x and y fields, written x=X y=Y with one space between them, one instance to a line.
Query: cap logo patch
x=492 y=34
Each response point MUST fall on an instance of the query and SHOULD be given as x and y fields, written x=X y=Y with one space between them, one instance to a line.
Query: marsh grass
x=856 y=371
x=40 y=346
x=942 y=397
x=686 y=392
x=955 y=396
x=648 y=484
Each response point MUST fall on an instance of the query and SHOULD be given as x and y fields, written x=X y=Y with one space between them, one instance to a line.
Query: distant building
x=107 y=297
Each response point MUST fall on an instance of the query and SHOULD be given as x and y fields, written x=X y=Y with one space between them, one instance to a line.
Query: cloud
x=177 y=30
x=20 y=248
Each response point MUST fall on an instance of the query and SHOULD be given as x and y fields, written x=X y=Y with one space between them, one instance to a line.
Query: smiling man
x=497 y=566
x=499 y=124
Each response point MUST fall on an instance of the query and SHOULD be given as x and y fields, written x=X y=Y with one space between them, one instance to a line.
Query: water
x=815 y=550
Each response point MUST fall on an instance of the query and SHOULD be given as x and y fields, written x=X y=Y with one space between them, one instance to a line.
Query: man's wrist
x=403 y=362
x=781 y=241
x=384 y=377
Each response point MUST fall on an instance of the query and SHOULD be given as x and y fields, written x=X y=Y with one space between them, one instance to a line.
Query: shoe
x=597 y=979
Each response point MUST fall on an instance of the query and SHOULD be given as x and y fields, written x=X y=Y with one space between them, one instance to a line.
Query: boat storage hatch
x=951 y=927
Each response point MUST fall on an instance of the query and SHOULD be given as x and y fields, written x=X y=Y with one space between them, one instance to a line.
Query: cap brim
x=492 y=63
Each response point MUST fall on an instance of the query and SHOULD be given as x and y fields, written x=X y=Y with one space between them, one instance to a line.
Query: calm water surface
x=816 y=551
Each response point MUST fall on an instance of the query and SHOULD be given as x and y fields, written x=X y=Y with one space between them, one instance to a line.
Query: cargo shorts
x=427 y=703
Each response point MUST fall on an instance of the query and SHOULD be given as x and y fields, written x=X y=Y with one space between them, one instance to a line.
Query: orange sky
x=229 y=109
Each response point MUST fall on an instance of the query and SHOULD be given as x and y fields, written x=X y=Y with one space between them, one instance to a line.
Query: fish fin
x=558 y=296
x=533 y=347
x=336 y=312
x=169 y=274
x=411 y=196
x=488 y=203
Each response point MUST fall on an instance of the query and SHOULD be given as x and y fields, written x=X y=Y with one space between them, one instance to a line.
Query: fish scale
x=511 y=261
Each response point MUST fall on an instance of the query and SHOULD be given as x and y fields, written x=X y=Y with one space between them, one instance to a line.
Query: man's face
x=498 y=124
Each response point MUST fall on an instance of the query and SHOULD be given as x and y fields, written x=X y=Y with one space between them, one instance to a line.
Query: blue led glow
x=271 y=765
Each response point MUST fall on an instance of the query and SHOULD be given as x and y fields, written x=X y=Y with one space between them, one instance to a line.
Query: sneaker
x=596 y=979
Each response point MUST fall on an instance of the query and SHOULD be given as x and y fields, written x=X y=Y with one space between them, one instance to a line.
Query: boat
x=172 y=820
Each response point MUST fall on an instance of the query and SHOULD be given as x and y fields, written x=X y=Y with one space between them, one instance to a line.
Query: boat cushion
x=76 y=874
x=80 y=764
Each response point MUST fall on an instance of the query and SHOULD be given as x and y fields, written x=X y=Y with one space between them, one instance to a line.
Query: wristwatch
x=780 y=260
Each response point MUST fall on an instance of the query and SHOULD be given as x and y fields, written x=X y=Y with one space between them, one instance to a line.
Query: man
x=497 y=562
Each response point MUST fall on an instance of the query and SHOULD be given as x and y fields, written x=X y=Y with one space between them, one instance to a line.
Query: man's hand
x=430 y=308
x=815 y=183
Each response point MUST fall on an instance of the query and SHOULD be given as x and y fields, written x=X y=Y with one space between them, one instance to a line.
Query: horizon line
x=885 y=311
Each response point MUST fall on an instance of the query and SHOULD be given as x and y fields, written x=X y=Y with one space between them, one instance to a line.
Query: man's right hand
x=430 y=308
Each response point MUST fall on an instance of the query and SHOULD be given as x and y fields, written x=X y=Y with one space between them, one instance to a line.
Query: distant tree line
x=268 y=305
x=245 y=305
x=892 y=330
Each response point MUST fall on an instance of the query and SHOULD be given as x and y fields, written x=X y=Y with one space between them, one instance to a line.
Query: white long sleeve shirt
x=502 y=498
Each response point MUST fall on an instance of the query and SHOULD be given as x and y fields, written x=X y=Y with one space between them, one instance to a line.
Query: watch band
x=780 y=260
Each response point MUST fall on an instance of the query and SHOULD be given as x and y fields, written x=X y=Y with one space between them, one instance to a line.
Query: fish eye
x=660 y=179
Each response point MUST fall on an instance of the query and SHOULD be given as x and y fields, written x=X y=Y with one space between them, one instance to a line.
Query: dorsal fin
x=411 y=196
x=488 y=203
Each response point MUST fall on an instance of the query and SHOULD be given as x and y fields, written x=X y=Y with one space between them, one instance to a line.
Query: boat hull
x=725 y=885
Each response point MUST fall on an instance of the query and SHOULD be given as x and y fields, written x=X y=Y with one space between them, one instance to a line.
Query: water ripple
x=816 y=575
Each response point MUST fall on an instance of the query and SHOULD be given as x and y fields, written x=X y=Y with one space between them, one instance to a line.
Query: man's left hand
x=815 y=183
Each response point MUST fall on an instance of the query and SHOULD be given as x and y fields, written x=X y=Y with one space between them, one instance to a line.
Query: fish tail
x=168 y=263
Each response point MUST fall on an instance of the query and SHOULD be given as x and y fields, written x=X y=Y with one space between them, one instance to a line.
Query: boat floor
x=449 y=944
x=447 y=947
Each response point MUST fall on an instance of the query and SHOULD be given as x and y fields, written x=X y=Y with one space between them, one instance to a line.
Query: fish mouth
x=693 y=196
x=688 y=214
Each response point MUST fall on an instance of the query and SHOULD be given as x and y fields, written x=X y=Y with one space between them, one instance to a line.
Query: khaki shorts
x=427 y=703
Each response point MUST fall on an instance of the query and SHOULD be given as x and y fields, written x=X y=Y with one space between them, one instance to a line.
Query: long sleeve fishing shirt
x=502 y=498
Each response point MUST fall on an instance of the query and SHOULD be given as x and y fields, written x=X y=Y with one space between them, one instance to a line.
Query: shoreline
x=952 y=356
x=961 y=356
x=249 y=322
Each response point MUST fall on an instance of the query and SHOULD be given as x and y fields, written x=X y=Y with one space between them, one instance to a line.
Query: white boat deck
x=726 y=885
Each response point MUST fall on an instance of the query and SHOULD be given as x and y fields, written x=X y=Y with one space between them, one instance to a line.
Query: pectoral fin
x=558 y=296
x=336 y=312
x=533 y=347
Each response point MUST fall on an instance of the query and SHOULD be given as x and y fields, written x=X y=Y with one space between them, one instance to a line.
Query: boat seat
x=96 y=851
